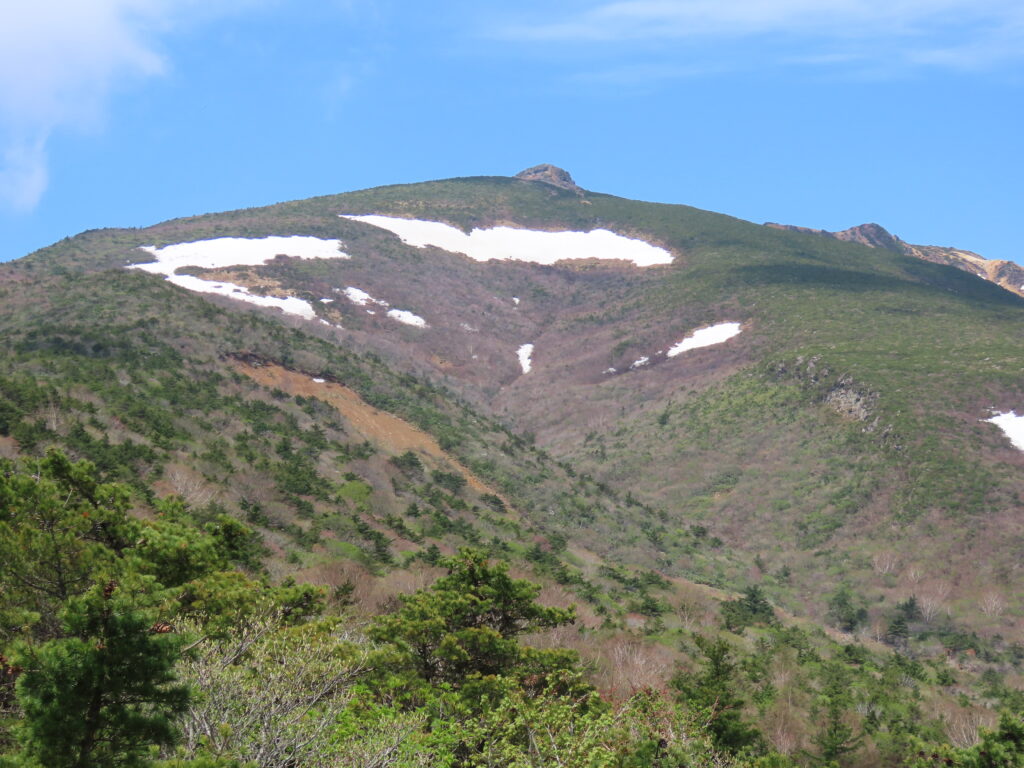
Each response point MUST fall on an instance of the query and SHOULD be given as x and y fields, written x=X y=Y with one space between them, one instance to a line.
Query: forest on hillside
x=159 y=640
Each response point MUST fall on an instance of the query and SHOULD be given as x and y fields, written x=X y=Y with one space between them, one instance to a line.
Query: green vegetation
x=857 y=414
x=136 y=642
x=828 y=463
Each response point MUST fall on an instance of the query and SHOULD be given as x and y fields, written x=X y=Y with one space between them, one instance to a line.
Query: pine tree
x=101 y=695
x=714 y=692
x=465 y=628
x=836 y=737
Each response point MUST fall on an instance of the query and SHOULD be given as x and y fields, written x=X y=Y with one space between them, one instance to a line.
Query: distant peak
x=549 y=174
x=871 y=235
x=874 y=235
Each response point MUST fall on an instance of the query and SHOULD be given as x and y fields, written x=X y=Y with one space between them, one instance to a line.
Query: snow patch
x=705 y=337
x=238 y=252
x=510 y=243
x=639 y=363
x=404 y=316
x=362 y=298
x=515 y=300
x=290 y=305
x=1012 y=426
x=326 y=301
x=610 y=370
x=318 y=381
x=525 y=354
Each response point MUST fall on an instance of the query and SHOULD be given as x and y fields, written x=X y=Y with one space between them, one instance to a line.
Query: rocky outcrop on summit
x=1003 y=273
x=871 y=235
x=549 y=174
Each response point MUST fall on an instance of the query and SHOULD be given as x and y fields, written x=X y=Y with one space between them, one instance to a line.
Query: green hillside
x=851 y=402
x=707 y=514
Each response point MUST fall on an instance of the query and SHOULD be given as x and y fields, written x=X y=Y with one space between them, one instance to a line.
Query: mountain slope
x=349 y=470
x=838 y=438
x=1003 y=273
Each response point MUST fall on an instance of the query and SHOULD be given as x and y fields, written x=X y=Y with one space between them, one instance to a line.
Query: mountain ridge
x=1005 y=274
x=829 y=423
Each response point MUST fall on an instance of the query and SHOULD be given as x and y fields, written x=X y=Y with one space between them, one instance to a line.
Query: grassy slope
x=929 y=348
x=142 y=379
x=694 y=469
x=752 y=449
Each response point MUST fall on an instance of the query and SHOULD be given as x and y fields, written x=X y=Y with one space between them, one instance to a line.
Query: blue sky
x=824 y=113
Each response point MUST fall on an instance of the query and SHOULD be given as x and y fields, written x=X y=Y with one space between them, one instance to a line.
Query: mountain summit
x=1005 y=274
x=871 y=235
x=549 y=174
x=646 y=384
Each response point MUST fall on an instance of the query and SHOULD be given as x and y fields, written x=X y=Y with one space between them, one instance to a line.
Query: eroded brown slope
x=382 y=429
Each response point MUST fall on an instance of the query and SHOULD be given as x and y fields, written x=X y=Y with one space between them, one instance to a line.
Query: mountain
x=585 y=381
x=1004 y=273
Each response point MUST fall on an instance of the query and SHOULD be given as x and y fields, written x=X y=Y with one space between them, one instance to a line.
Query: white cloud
x=693 y=18
x=23 y=173
x=952 y=33
x=59 y=61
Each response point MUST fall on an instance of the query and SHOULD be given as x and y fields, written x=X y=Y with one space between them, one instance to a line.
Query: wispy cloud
x=948 y=33
x=60 y=60
x=23 y=175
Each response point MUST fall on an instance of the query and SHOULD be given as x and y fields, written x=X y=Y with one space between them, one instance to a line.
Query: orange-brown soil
x=386 y=431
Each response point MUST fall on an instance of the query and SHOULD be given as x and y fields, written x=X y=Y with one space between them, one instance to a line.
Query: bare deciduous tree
x=932 y=598
x=879 y=630
x=192 y=488
x=992 y=603
x=963 y=727
x=271 y=695
x=884 y=562
x=784 y=728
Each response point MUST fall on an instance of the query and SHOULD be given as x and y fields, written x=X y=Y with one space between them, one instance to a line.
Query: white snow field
x=510 y=243
x=1012 y=426
x=290 y=305
x=407 y=317
x=362 y=298
x=238 y=252
x=705 y=337
x=525 y=354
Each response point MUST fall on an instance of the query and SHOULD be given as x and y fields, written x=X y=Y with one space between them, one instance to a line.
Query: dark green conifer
x=102 y=694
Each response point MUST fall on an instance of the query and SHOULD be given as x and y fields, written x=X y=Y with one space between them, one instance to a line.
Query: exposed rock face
x=1004 y=273
x=549 y=174
x=846 y=400
x=872 y=235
